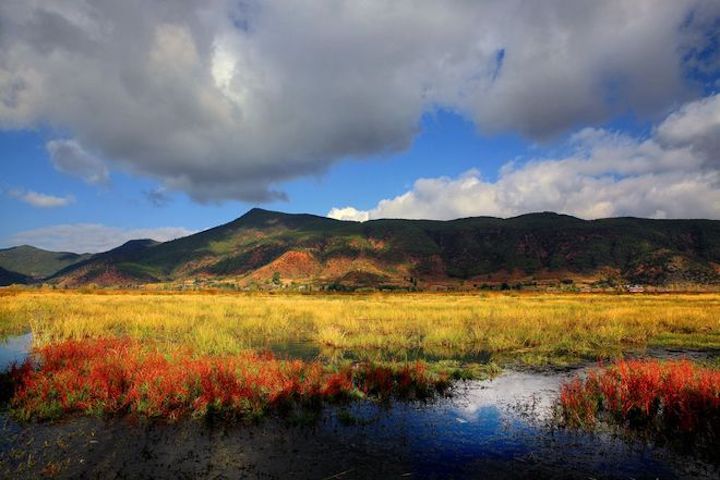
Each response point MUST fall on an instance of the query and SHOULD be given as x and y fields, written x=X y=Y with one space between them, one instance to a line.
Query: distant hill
x=36 y=263
x=263 y=245
x=11 y=278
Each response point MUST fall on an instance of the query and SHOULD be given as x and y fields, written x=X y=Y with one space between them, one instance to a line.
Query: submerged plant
x=670 y=396
x=111 y=375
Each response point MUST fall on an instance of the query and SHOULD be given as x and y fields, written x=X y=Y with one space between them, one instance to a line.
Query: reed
x=534 y=329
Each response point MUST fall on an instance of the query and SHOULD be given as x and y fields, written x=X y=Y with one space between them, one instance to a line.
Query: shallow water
x=487 y=429
x=14 y=349
x=309 y=350
x=502 y=428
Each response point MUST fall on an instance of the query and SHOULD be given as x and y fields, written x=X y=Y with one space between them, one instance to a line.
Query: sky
x=155 y=119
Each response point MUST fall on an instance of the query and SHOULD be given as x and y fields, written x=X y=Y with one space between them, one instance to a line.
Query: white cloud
x=90 y=237
x=42 y=200
x=349 y=213
x=672 y=174
x=223 y=99
x=696 y=125
x=68 y=156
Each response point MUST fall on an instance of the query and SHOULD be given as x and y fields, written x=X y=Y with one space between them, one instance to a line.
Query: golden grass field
x=534 y=329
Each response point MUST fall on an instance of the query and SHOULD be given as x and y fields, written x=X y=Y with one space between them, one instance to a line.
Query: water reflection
x=501 y=428
x=14 y=349
x=487 y=429
x=531 y=395
x=504 y=429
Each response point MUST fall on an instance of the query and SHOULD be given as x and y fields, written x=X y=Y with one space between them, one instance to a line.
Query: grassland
x=531 y=329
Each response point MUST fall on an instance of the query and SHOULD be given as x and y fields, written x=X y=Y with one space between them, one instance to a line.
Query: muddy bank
x=489 y=429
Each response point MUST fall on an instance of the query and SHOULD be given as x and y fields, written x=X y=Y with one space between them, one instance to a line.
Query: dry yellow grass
x=533 y=328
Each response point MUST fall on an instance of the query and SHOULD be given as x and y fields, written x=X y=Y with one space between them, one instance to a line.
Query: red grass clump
x=674 y=395
x=102 y=376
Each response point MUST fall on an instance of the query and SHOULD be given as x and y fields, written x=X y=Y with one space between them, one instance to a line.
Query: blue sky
x=354 y=181
x=414 y=110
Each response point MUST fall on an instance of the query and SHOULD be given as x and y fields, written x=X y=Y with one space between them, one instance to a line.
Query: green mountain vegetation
x=8 y=277
x=264 y=247
x=37 y=263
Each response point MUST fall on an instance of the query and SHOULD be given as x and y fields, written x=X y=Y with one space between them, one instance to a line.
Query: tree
x=276 y=278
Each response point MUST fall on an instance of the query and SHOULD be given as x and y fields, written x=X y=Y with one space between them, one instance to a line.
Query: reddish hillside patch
x=103 y=276
x=339 y=267
x=292 y=264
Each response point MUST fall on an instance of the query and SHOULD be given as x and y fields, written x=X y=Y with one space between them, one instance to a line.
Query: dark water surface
x=14 y=350
x=489 y=429
x=502 y=428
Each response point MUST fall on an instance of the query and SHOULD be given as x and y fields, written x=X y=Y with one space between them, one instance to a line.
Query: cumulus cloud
x=224 y=99
x=90 y=237
x=696 y=125
x=41 y=200
x=349 y=213
x=68 y=156
x=671 y=174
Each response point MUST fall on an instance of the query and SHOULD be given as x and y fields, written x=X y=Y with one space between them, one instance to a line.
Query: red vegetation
x=106 y=376
x=672 y=395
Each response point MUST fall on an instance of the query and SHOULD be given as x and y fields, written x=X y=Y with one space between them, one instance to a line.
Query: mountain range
x=25 y=264
x=272 y=249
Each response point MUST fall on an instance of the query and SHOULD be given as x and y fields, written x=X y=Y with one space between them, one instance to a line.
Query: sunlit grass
x=534 y=329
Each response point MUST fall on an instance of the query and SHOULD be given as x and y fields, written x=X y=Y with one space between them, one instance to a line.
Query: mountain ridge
x=263 y=247
x=36 y=263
